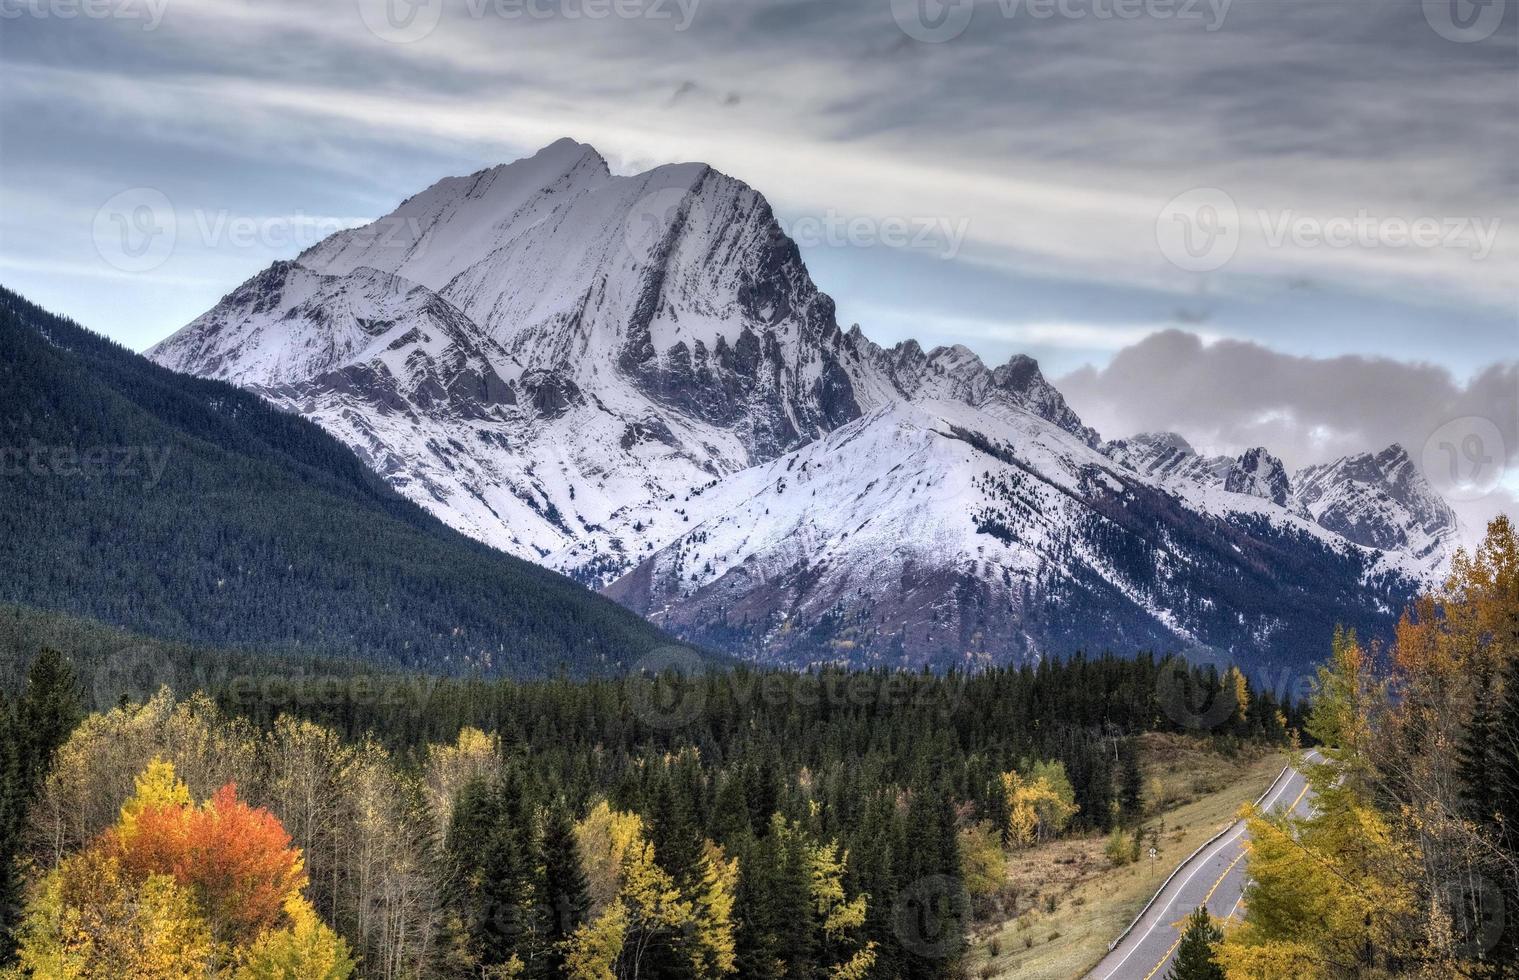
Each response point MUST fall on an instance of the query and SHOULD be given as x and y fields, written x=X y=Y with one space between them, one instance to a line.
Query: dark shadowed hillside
x=189 y=509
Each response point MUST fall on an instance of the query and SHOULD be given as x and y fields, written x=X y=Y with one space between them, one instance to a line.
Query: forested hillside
x=115 y=664
x=1409 y=866
x=740 y=823
x=188 y=509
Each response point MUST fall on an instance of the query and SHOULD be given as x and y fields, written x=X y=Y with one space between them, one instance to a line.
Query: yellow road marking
x=1208 y=897
x=1163 y=959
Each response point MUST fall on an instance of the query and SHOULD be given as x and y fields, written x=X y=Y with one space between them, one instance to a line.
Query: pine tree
x=470 y=827
x=46 y=713
x=567 y=892
x=759 y=914
x=1474 y=753
x=10 y=825
x=1131 y=803
x=511 y=885
x=1505 y=771
x=677 y=849
x=730 y=812
x=1504 y=792
x=934 y=907
x=1195 y=958
x=31 y=732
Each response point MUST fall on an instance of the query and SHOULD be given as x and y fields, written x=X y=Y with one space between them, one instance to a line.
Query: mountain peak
x=1168 y=455
x=562 y=156
x=566 y=146
x=1380 y=500
x=1164 y=440
x=1260 y=474
x=1021 y=378
x=636 y=376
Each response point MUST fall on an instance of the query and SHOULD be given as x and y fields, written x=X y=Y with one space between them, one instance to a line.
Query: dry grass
x=1192 y=793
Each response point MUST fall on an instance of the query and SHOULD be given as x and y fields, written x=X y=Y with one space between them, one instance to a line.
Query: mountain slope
x=634 y=380
x=653 y=332
x=911 y=536
x=190 y=509
x=1381 y=501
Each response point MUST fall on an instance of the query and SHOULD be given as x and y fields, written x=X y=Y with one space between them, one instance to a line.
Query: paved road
x=1215 y=877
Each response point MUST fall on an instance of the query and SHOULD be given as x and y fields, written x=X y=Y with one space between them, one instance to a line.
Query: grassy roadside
x=1073 y=902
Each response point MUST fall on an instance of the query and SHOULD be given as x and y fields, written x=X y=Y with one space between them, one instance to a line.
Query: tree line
x=1409 y=866
x=698 y=824
x=193 y=510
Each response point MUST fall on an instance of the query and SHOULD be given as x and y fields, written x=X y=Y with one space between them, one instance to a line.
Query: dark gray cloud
x=1231 y=395
x=1059 y=137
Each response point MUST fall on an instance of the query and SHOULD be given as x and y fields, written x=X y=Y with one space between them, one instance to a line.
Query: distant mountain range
x=191 y=510
x=635 y=381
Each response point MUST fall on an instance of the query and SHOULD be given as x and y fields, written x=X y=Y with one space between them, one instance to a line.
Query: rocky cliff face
x=1259 y=474
x=1381 y=501
x=634 y=380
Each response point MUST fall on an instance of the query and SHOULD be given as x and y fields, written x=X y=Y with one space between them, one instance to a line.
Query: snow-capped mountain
x=634 y=380
x=1381 y=501
x=1259 y=474
x=1378 y=500
x=1165 y=456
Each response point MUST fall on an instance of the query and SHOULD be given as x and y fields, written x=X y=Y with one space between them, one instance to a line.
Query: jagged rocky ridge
x=634 y=380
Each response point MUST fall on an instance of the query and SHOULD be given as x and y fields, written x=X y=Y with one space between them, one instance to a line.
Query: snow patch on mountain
x=634 y=380
x=1259 y=474
x=1381 y=500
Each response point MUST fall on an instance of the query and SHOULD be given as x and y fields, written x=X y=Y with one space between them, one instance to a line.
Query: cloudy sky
x=1324 y=195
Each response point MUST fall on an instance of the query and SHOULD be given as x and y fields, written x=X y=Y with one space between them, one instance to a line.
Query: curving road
x=1214 y=876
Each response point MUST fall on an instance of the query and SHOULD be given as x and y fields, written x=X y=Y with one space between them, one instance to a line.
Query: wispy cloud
x=1057 y=142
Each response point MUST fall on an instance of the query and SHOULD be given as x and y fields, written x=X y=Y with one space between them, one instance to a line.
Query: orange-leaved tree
x=224 y=871
x=236 y=859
